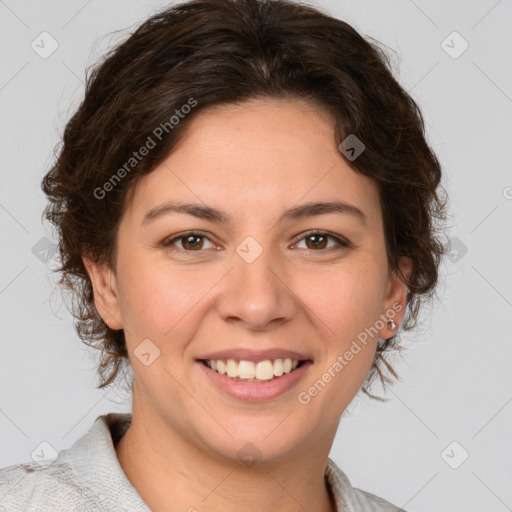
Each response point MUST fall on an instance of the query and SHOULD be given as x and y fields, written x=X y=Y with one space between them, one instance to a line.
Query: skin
x=254 y=161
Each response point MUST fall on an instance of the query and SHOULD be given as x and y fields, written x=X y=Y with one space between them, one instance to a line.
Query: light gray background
x=456 y=378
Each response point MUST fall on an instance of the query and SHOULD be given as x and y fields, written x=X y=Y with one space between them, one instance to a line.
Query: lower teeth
x=238 y=379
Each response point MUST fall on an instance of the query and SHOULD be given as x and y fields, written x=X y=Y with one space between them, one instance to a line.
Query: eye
x=318 y=240
x=193 y=241
x=190 y=241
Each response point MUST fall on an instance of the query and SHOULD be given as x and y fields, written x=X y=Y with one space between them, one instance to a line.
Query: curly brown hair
x=221 y=52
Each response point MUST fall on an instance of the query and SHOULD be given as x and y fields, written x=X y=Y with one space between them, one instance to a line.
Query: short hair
x=205 y=53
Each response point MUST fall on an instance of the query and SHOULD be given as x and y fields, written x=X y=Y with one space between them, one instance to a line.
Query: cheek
x=348 y=304
x=155 y=299
x=348 y=300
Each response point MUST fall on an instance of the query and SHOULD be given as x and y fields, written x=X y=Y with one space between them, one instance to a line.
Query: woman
x=247 y=210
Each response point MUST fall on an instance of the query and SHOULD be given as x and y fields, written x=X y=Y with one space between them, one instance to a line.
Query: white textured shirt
x=88 y=477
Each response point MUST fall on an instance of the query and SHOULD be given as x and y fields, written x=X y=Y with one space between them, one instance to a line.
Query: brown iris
x=187 y=242
x=316 y=244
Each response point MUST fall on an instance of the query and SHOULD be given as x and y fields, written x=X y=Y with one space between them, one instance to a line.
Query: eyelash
x=342 y=242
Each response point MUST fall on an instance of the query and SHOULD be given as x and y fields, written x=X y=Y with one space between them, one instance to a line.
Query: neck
x=170 y=473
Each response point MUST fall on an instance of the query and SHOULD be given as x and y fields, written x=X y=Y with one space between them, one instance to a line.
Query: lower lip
x=256 y=391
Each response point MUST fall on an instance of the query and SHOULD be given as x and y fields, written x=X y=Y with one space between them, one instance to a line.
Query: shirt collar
x=94 y=458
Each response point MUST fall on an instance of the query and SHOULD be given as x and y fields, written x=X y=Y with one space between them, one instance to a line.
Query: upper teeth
x=263 y=370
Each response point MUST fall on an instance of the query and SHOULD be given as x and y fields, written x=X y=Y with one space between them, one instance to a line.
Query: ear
x=395 y=299
x=105 y=292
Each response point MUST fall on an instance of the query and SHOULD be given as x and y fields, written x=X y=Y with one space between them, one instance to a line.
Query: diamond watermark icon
x=249 y=250
x=352 y=147
x=44 y=45
x=44 y=454
x=454 y=455
x=146 y=352
x=456 y=249
x=43 y=249
x=249 y=455
x=454 y=45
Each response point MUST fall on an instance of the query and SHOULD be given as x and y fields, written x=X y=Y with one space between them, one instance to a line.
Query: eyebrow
x=298 y=212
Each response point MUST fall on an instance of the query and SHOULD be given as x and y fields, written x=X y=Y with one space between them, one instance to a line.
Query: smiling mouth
x=248 y=371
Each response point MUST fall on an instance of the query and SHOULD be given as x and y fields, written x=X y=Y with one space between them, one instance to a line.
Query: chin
x=265 y=439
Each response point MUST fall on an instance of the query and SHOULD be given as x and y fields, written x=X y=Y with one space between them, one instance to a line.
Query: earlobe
x=396 y=299
x=105 y=292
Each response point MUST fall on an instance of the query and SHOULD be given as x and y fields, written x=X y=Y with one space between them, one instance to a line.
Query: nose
x=257 y=294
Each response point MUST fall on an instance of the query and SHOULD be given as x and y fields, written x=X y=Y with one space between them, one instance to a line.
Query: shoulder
x=84 y=477
x=32 y=487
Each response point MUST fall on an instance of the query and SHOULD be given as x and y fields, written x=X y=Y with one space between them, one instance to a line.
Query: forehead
x=256 y=157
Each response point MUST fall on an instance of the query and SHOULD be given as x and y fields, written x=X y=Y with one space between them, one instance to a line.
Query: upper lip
x=255 y=355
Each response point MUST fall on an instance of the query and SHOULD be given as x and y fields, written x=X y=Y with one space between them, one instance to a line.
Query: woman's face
x=255 y=286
